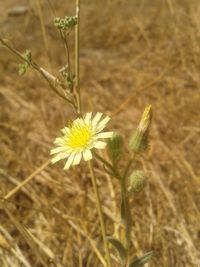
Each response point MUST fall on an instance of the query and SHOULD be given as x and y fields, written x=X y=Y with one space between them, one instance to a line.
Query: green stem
x=126 y=208
x=128 y=166
x=64 y=38
x=126 y=216
x=99 y=208
x=77 y=56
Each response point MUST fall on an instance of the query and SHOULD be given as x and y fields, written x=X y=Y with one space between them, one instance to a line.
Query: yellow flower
x=79 y=138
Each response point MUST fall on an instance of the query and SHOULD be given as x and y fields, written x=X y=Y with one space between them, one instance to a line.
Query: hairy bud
x=114 y=147
x=136 y=181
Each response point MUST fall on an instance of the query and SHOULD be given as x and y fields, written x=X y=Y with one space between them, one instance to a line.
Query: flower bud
x=139 y=140
x=24 y=66
x=136 y=181
x=65 y=23
x=114 y=147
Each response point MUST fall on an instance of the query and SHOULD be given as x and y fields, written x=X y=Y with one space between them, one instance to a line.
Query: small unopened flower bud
x=114 y=147
x=136 y=181
x=139 y=140
x=24 y=66
x=72 y=21
x=65 y=23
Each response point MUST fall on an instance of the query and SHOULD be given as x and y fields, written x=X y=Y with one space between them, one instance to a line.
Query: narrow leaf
x=119 y=247
x=140 y=261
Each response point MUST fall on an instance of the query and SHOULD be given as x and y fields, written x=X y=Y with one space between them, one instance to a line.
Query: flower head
x=79 y=138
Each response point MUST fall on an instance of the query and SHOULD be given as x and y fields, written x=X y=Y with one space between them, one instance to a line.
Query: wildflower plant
x=82 y=138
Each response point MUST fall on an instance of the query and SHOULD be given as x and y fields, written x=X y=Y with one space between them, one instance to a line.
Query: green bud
x=136 y=181
x=71 y=21
x=24 y=66
x=65 y=23
x=139 y=140
x=28 y=56
x=114 y=147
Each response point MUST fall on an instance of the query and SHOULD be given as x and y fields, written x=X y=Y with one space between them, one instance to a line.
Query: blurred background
x=133 y=53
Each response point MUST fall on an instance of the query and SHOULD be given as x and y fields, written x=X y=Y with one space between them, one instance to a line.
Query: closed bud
x=24 y=66
x=139 y=140
x=146 y=119
x=65 y=23
x=136 y=181
x=114 y=147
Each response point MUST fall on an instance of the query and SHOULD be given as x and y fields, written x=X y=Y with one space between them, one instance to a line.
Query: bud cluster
x=65 y=23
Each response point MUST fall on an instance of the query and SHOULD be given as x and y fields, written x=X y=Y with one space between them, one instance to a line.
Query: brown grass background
x=133 y=53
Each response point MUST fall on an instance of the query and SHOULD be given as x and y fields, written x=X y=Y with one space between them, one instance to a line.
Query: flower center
x=80 y=134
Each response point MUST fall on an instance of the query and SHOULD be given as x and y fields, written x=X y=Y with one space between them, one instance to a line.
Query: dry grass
x=140 y=52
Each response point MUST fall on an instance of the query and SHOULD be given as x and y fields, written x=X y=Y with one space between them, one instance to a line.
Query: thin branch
x=45 y=74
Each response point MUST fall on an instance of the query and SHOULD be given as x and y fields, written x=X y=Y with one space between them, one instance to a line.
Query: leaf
x=140 y=261
x=119 y=247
